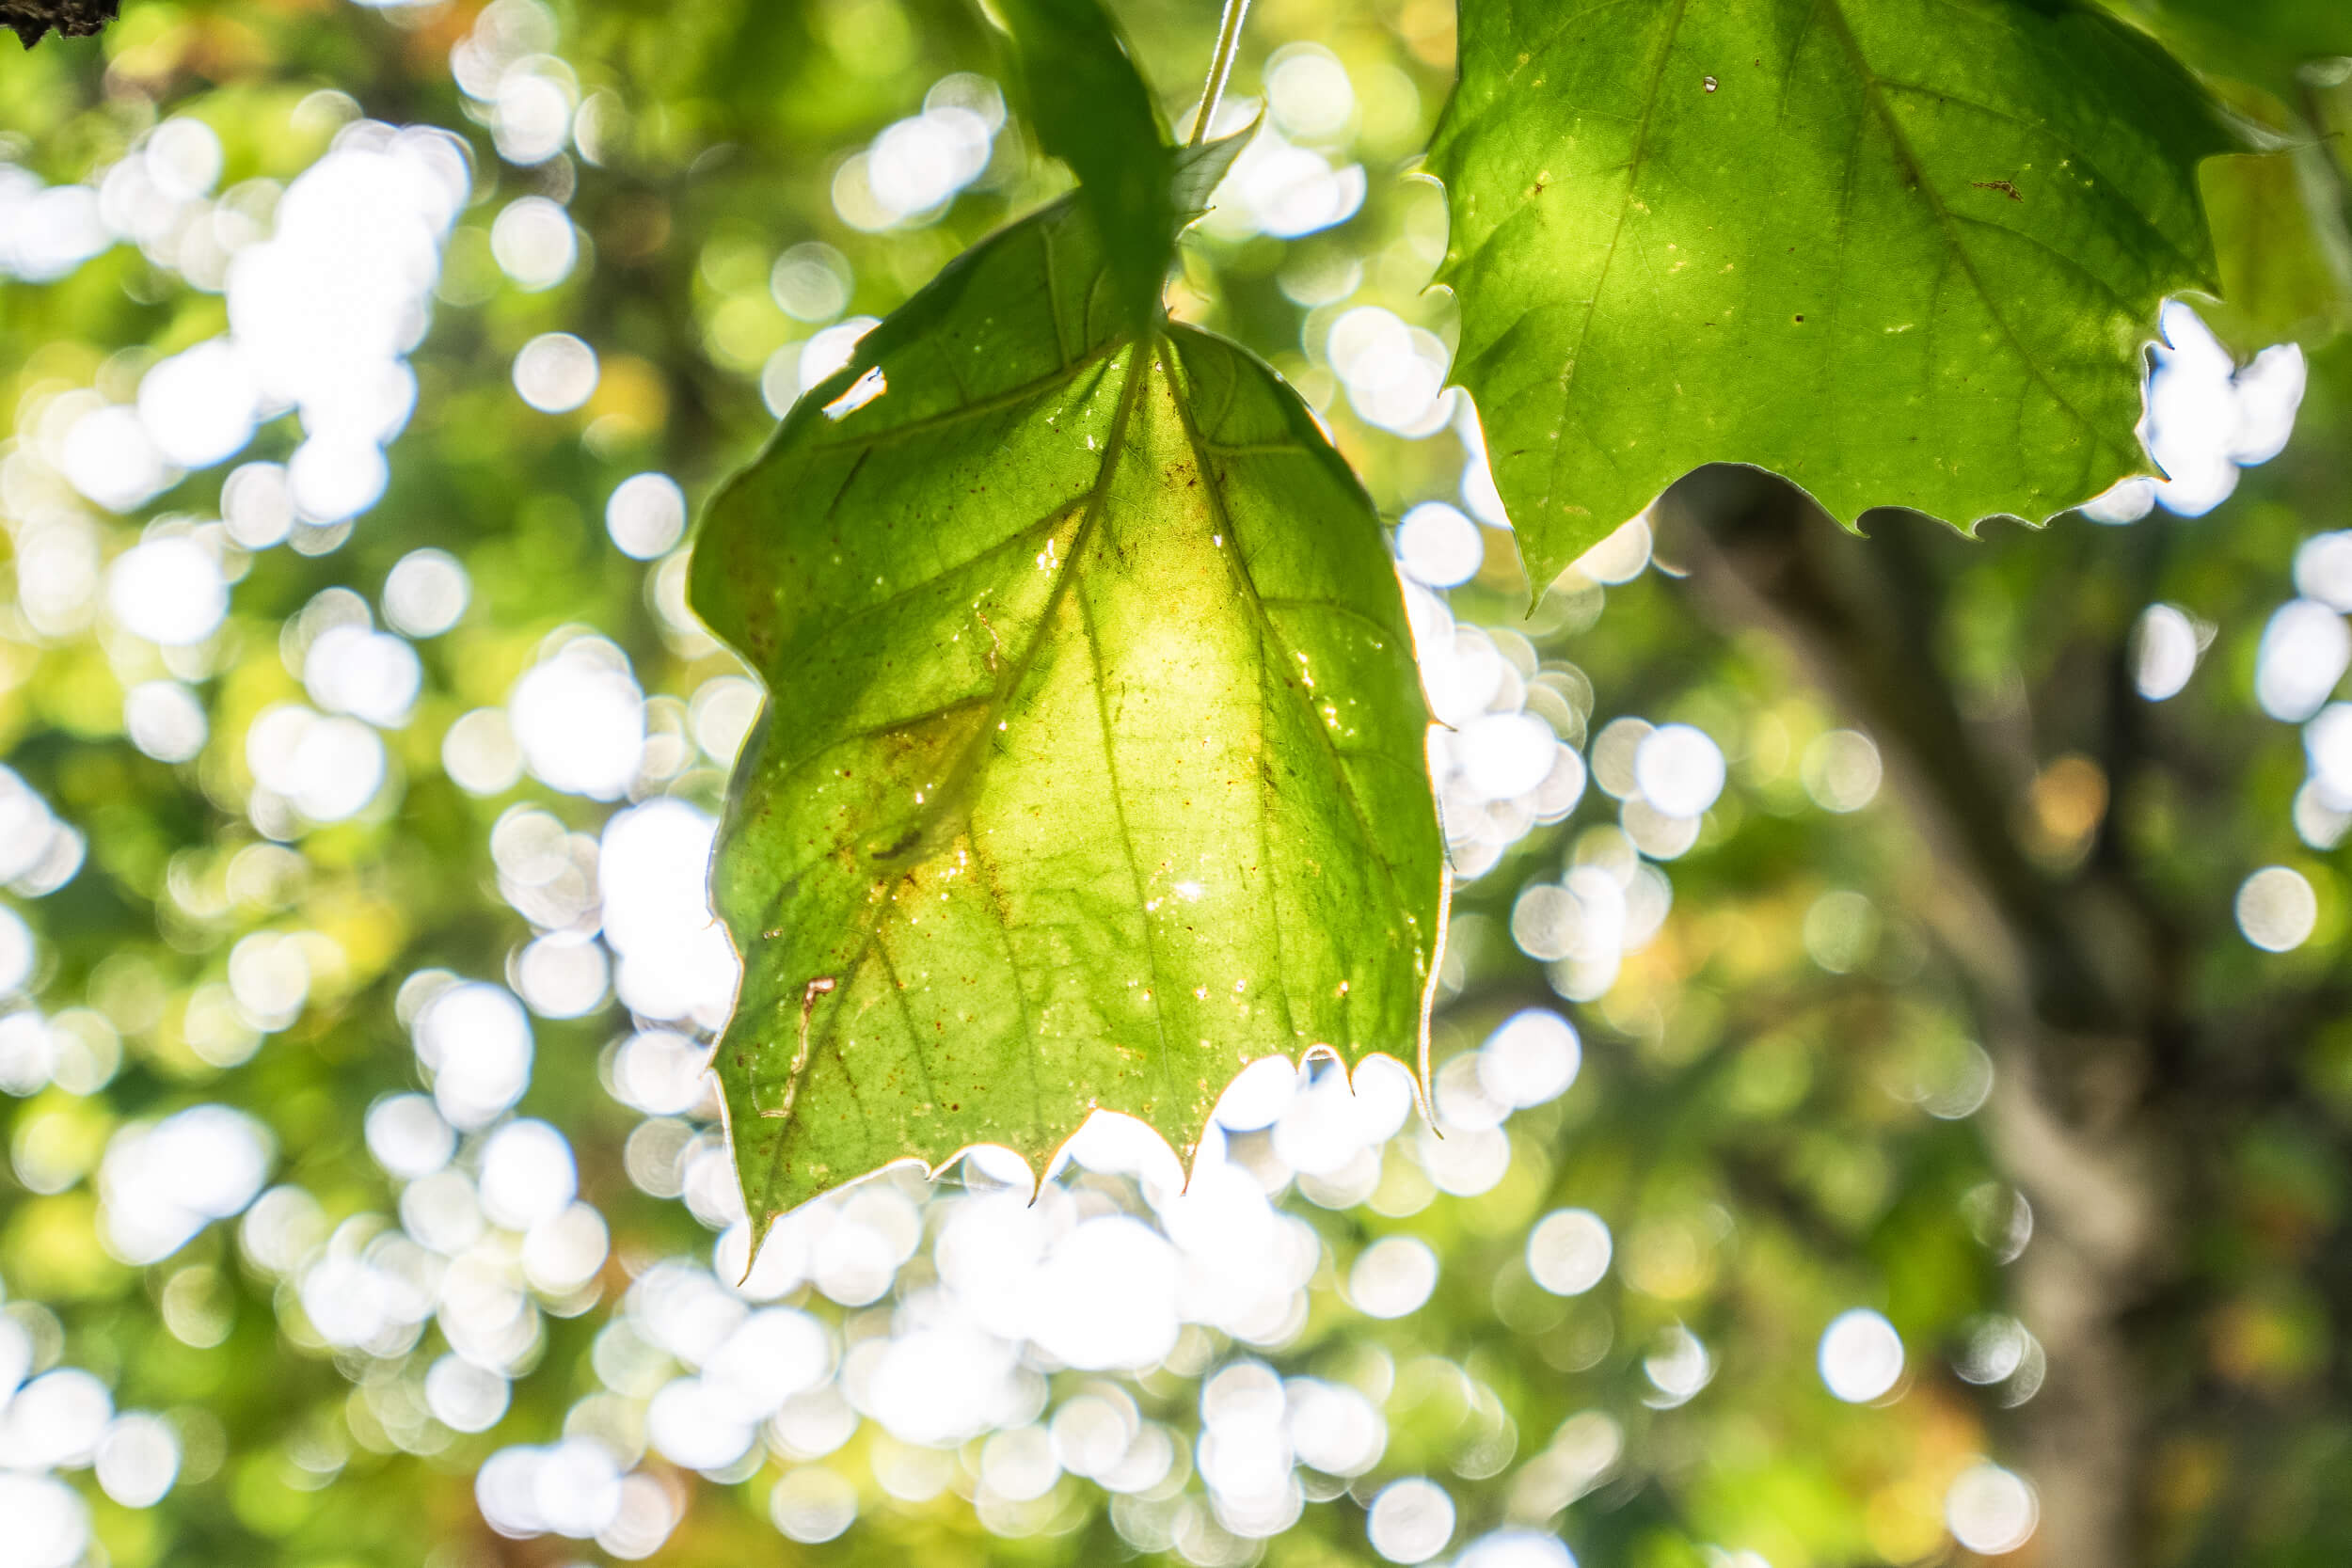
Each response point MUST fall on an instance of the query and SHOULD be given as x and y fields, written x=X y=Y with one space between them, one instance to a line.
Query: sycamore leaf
x=1093 y=762
x=1904 y=252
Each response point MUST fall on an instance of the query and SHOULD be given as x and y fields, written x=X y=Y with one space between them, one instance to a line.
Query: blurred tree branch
x=1860 y=621
x=33 y=19
x=2060 y=985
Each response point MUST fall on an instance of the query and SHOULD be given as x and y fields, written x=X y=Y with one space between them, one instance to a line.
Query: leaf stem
x=1221 y=66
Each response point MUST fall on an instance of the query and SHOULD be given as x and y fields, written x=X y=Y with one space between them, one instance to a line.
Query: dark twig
x=33 y=19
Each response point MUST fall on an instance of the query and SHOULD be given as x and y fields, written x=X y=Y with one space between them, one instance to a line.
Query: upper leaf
x=1091 y=108
x=1093 y=762
x=1904 y=252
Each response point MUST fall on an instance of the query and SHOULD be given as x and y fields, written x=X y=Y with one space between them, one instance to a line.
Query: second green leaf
x=1904 y=252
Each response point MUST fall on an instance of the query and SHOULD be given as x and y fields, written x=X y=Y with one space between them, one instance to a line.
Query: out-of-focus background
x=1892 y=1098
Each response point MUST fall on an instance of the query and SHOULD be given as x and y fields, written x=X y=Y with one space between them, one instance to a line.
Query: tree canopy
x=1887 y=1091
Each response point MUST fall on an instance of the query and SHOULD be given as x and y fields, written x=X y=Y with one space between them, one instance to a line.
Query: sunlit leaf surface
x=1905 y=252
x=365 y=1203
x=1093 y=769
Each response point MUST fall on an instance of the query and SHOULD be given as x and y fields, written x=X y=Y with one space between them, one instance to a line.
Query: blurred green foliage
x=1817 y=1088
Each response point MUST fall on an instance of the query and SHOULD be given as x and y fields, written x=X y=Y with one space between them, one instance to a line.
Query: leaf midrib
x=1266 y=622
x=1617 y=234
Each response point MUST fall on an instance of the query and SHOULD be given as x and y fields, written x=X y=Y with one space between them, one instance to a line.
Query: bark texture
x=33 y=19
x=2066 y=971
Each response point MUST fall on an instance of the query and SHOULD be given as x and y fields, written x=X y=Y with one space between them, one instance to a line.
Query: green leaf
x=1904 y=252
x=1090 y=106
x=1202 y=168
x=1093 y=764
x=2285 y=260
x=2262 y=40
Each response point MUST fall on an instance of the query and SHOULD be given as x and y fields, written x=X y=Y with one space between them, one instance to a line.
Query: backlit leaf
x=1093 y=764
x=2285 y=261
x=1905 y=252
